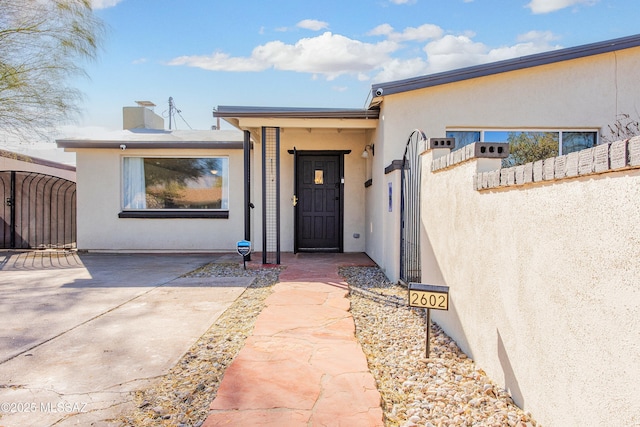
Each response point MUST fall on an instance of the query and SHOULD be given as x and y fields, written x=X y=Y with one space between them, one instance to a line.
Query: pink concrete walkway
x=302 y=366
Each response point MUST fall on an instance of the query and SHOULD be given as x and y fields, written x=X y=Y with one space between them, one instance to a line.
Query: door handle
x=295 y=200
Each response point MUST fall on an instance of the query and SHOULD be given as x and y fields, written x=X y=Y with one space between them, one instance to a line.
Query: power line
x=173 y=110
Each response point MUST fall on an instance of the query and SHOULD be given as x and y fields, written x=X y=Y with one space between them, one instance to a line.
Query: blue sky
x=307 y=53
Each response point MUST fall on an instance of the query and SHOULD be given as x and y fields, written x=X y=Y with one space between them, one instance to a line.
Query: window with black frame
x=175 y=184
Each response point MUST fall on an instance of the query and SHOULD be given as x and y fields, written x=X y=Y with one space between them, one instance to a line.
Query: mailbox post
x=244 y=248
x=428 y=296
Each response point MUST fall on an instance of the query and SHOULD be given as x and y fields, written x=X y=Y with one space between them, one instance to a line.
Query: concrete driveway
x=80 y=332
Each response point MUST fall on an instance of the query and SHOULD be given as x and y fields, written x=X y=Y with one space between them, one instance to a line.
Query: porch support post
x=270 y=194
x=12 y=219
x=247 y=187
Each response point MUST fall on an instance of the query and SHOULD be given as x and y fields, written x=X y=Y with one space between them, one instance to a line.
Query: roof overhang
x=149 y=145
x=305 y=118
x=380 y=90
x=158 y=140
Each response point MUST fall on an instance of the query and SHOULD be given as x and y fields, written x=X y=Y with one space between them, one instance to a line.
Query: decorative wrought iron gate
x=38 y=211
x=410 y=209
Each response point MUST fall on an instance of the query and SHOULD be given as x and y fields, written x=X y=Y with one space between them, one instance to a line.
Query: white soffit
x=255 y=122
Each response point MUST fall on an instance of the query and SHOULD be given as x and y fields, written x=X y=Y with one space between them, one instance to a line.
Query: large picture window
x=182 y=184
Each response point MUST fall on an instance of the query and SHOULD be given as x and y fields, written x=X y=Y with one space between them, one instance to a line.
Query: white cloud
x=538 y=36
x=103 y=4
x=397 y=69
x=403 y=1
x=219 y=61
x=518 y=50
x=381 y=30
x=547 y=6
x=421 y=33
x=312 y=24
x=330 y=55
x=451 y=52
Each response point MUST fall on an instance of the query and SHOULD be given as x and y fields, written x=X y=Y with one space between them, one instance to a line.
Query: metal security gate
x=270 y=195
x=410 y=209
x=38 y=211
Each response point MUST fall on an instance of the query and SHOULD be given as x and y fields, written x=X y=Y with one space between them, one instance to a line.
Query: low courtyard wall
x=543 y=265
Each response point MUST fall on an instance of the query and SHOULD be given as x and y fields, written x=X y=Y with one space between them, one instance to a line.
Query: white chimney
x=141 y=117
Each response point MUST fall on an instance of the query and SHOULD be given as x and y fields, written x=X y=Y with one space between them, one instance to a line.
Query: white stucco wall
x=586 y=93
x=99 y=195
x=374 y=195
x=544 y=291
x=100 y=198
x=354 y=178
x=383 y=223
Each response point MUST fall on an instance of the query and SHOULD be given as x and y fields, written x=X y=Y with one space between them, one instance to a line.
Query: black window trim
x=182 y=213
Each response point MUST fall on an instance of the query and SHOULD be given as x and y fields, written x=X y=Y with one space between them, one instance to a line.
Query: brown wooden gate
x=38 y=211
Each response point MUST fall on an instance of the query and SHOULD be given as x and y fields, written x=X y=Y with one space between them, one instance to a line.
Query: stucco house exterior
x=570 y=91
x=117 y=213
x=384 y=180
x=574 y=92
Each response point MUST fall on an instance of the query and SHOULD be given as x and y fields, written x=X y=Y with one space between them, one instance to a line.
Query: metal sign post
x=428 y=296
x=244 y=248
x=428 y=333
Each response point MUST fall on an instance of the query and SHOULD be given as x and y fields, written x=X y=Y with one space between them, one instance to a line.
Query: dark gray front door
x=319 y=204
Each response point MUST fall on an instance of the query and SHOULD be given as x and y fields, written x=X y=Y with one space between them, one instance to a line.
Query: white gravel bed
x=445 y=390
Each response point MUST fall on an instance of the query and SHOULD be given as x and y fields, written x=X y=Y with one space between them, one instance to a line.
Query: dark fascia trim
x=227 y=111
x=483 y=70
x=319 y=152
x=395 y=165
x=152 y=145
x=187 y=214
x=368 y=183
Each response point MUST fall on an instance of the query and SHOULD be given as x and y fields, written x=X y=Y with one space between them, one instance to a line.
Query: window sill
x=174 y=214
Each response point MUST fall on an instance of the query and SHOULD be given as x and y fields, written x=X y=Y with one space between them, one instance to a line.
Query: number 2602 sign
x=428 y=296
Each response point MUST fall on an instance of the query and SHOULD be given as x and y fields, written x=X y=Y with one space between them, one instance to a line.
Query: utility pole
x=170 y=110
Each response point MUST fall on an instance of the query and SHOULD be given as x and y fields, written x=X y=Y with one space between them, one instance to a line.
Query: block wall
x=543 y=265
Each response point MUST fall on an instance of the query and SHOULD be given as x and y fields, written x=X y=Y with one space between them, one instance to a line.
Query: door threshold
x=319 y=250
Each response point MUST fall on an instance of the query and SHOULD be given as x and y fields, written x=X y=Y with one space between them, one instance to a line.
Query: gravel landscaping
x=444 y=390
